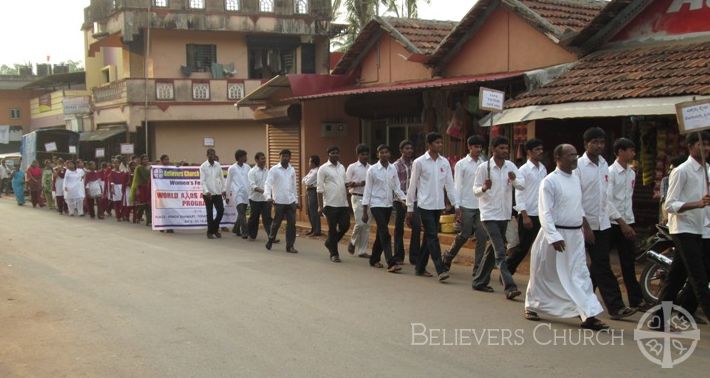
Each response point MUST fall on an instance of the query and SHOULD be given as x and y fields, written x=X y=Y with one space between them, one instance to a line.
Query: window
x=201 y=57
x=235 y=91
x=14 y=113
x=200 y=91
x=160 y=3
x=197 y=4
x=308 y=58
x=164 y=91
x=266 y=5
x=265 y=63
x=300 y=6
x=232 y=5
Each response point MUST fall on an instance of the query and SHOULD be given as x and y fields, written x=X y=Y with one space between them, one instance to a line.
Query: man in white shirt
x=381 y=186
x=310 y=181
x=526 y=203
x=355 y=180
x=560 y=284
x=404 y=173
x=687 y=199
x=431 y=174
x=238 y=191
x=4 y=176
x=493 y=186
x=280 y=188
x=622 y=180
x=464 y=174
x=333 y=200
x=258 y=204
x=593 y=173
x=213 y=192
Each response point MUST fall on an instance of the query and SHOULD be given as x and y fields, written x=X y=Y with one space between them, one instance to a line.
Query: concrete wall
x=506 y=43
x=184 y=140
x=385 y=63
x=16 y=99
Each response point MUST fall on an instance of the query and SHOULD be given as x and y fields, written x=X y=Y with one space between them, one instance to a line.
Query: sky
x=33 y=30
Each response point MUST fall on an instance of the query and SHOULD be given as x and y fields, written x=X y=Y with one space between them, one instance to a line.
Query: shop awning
x=414 y=85
x=101 y=134
x=592 y=109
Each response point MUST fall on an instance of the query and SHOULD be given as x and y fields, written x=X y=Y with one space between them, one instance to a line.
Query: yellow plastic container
x=445 y=219
x=448 y=228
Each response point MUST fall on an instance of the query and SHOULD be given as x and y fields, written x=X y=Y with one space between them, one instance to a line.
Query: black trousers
x=313 y=218
x=383 y=240
x=240 y=226
x=259 y=209
x=414 y=241
x=430 y=245
x=281 y=212
x=626 y=249
x=688 y=264
x=338 y=224
x=527 y=237
x=600 y=270
x=213 y=202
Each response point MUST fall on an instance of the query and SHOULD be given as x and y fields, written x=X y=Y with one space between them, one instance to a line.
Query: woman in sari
x=140 y=190
x=18 y=186
x=47 y=183
x=34 y=181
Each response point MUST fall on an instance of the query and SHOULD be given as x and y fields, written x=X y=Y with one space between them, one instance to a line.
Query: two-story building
x=170 y=71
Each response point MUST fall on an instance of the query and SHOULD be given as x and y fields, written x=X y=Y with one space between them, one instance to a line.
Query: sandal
x=532 y=316
x=377 y=265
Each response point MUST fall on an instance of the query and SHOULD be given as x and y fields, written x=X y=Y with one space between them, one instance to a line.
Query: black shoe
x=218 y=235
x=245 y=237
x=424 y=274
x=291 y=250
x=335 y=259
x=277 y=241
x=269 y=243
x=210 y=236
x=594 y=324
x=316 y=234
x=622 y=313
x=170 y=231
x=485 y=289
x=511 y=294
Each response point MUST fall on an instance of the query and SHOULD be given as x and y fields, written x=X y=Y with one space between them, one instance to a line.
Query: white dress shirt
x=687 y=184
x=330 y=181
x=620 y=193
x=356 y=173
x=4 y=173
x=74 y=184
x=281 y=185
x=212 y=178
x=257 y=179
x=594 y=180
x=496 y=203
x=429 y=179
x=311 y=179
x=526 y=199
x=464 y=175
x=381 y=185
x=238 y=183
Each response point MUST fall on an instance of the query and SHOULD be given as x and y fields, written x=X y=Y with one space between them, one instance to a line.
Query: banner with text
x=177 y=199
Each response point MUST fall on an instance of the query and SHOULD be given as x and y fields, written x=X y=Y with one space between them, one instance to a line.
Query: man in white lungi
x=560 y=284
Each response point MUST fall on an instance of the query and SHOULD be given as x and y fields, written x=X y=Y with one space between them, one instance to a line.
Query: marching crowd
x=583 y=208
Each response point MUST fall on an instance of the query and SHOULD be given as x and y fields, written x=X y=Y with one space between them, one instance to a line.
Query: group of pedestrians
x=582 y=209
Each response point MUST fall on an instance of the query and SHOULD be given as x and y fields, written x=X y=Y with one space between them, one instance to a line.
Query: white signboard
x=177 y=202
x=208 y=142
x=491 y=100
x=76 y=105
x=693 y=116
x=72 y=149
x=127 y=149
x=100 y=152
x=5 y=134
x=50 y=147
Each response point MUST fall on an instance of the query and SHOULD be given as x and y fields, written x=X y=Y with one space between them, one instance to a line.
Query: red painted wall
x=668 y=18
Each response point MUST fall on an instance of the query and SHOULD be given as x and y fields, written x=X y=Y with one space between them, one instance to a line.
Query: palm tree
x=360 y=12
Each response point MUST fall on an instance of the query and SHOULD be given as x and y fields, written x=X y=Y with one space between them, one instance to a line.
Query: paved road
x=82 y=298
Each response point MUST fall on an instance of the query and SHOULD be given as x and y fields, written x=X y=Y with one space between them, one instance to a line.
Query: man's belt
x=568 y=227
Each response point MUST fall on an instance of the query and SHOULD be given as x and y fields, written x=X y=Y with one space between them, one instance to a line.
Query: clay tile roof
x=424 y=34
x=417 y=36
x=566 y=15
x=650 y=71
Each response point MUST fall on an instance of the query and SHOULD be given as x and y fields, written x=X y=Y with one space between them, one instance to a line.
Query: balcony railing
x=133 y=91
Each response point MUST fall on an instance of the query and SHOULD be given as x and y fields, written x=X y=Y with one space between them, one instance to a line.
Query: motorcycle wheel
x=651 y=280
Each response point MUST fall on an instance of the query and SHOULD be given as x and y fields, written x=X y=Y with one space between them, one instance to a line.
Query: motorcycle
x=659 y=255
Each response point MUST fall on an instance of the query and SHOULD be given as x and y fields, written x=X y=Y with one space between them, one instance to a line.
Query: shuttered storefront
x=279 y=137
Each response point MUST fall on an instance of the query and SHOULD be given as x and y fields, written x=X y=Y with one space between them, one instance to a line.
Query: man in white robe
x=560 y=284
